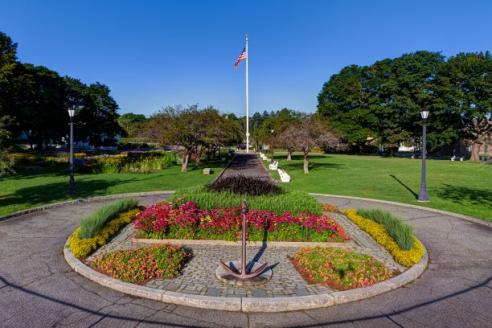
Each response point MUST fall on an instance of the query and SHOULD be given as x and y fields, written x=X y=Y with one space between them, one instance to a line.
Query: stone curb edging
x=430 y=209
x=84 y=200
x=345 y=245
x=248 y=304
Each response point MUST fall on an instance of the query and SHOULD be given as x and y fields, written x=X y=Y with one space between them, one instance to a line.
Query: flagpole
x=247 y=97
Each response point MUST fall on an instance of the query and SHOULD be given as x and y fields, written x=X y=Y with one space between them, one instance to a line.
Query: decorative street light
x=271 y=144
x=71 y=184
x=423 y=196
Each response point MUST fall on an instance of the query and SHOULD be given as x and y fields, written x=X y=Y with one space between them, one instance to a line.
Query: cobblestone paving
x=38 y=289
x=199 y=273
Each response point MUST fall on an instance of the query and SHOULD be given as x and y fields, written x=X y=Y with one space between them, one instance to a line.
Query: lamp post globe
x=423 y=196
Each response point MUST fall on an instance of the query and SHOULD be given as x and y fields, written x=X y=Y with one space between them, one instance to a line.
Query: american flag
x=241 y=57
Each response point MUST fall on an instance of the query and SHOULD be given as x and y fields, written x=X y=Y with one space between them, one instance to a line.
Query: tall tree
x=467 y=80
x=308 y=133
x=8 y=52
x=185 y=127
x=345 y=101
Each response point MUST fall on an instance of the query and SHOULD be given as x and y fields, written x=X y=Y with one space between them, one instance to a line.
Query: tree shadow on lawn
x=300 y=157
x=58 y=191
x=312 y=165
x=466 y=195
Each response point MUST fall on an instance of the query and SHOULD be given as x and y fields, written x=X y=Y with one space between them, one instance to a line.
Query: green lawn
x=461 y=187
x=25 y=189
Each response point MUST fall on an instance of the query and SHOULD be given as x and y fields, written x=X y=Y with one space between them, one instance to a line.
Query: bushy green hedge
x=295 y=202
x=92 y=224
x=129 y=162
x=401 y=232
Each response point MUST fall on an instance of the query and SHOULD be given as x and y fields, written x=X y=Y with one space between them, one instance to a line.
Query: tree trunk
x=198 y=156
x=186 y=158
x=306 y=162
x=475 y=154
x=289 y=155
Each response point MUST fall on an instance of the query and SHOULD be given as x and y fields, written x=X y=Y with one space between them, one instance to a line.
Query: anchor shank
x=244 y=210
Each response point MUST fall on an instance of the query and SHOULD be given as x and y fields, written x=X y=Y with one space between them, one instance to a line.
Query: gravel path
x=38 y=289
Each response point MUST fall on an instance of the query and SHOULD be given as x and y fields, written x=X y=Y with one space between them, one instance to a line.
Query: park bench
x=273 y=166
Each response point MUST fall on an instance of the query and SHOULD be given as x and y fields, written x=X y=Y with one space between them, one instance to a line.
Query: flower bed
x=81 y=248
x=339 y=269
x=188 y=221
x=141 y=265
x=378 y=232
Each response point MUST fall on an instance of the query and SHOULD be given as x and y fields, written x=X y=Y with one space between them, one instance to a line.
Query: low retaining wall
x=248 y=304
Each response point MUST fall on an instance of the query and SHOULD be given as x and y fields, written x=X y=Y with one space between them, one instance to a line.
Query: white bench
x=264 y=157
x=273 y=166
x=284 y=177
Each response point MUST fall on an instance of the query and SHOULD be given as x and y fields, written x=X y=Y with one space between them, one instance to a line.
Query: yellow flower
x=81 y=248
x=379 y=233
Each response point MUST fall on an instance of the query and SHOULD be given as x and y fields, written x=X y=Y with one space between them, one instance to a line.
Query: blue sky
x=158 y=53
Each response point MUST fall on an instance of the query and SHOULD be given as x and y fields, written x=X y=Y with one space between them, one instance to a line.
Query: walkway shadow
x=466 y=195
x=404 y=186
x=103 y=315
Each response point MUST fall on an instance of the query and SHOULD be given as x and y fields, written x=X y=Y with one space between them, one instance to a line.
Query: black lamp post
x=271 y=144
x=423 y=196
x=71 y=184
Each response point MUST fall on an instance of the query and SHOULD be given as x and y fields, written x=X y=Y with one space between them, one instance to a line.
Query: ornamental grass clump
x=381 y=236
x=401 y=232
x=339 y=269
x=144 y=264
x=240 y=184
x=81 y=248
x=92 y=224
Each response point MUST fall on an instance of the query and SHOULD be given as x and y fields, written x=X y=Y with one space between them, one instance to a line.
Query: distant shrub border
x=82 y=248
x=377 y=231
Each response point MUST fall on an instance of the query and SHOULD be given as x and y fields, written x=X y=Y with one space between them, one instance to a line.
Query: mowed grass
x=34 y=188
x=460 y=187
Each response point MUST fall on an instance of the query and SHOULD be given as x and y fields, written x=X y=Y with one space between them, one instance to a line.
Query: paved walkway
x=38 y=289
x=249 y=165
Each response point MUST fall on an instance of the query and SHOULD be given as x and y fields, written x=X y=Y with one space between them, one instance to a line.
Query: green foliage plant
x=295 y=202
x=401 y=232
x=92 y=224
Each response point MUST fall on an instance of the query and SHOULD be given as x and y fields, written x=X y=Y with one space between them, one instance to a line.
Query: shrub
x=295 y=202
x=141 y=265
x=240 y=184
x=338 y=268
x=92 y=224
x=139 y=162
x=401 y=232
x=81 y=248
x=187 y=221
x=378 y=232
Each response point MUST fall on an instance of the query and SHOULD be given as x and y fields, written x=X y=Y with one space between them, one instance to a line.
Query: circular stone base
x=228 y=278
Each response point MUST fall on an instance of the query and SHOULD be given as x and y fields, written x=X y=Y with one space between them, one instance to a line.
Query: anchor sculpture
x=242 y=274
